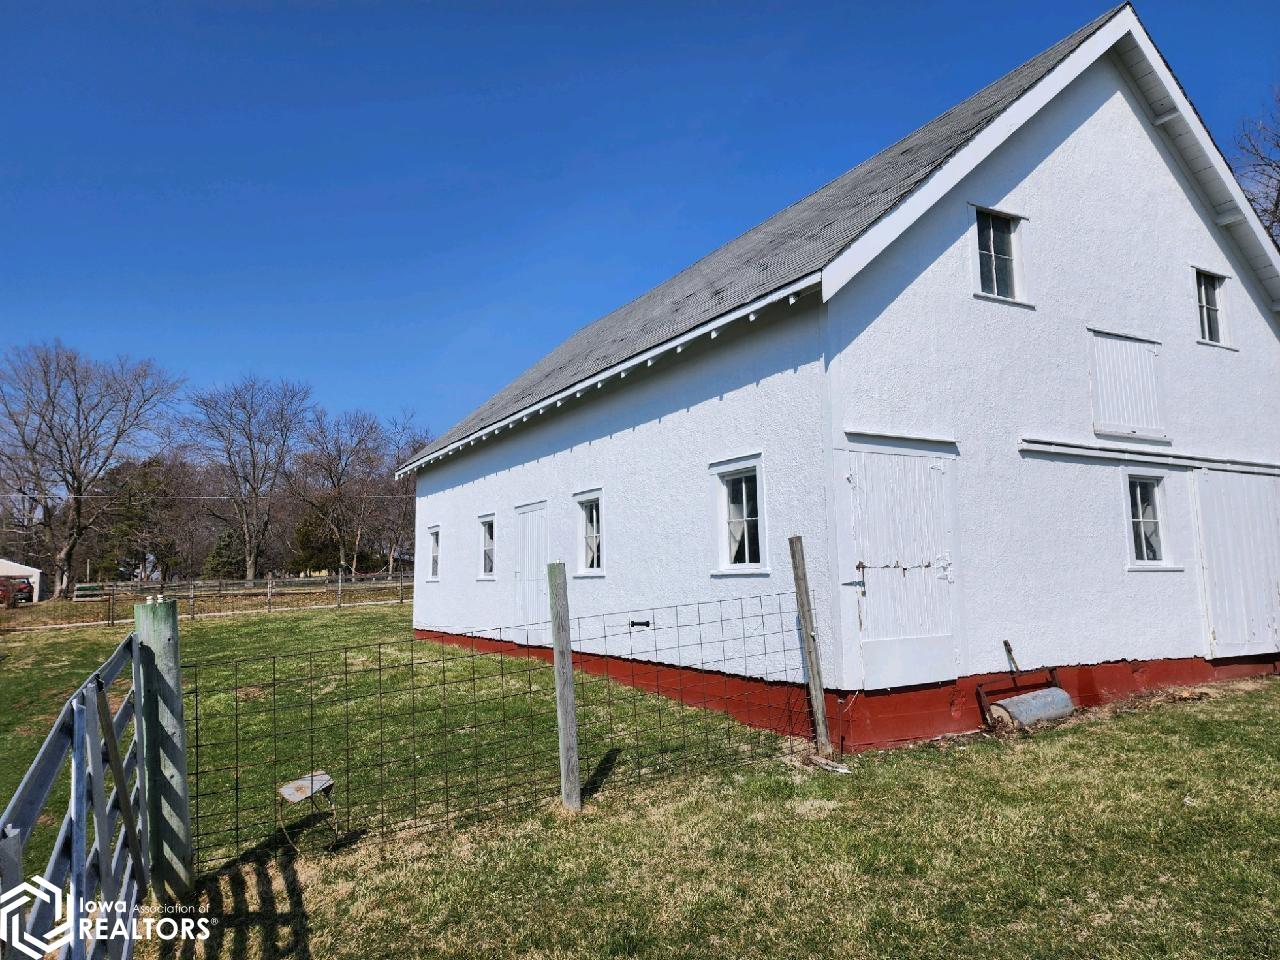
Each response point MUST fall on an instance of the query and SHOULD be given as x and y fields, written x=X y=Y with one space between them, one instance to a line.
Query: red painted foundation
x=861 y=720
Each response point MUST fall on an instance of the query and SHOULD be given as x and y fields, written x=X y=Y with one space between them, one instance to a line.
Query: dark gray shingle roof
x=803 y=238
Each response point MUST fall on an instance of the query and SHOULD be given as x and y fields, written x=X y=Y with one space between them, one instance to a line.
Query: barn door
x=902 y=571
x=533 y=611
x=1240 y=554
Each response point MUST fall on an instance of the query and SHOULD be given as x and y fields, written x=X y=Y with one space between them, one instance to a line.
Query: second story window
x=1208 y=287
x=995 y=254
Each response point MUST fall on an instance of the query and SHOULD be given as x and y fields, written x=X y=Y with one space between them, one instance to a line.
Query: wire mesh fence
x=453 y=727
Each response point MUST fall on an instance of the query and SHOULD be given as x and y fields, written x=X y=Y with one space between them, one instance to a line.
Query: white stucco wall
x=648 y=446
x=1112 y=232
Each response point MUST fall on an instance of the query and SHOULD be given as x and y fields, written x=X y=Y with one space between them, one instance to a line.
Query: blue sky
x=406 y=205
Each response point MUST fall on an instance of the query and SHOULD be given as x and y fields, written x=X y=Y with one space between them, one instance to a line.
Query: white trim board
x=1064 y=448
x=644 y=359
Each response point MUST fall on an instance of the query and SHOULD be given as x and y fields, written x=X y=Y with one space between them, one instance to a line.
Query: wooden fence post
x=269 y=584
x=809 y=649
x=193 y=600
x=169 y=843
x=339 y=588
x=566 y=711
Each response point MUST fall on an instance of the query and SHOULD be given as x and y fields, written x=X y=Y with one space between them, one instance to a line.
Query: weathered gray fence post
x=164 y=746
x=339 y=588
x=809 y=649
x=269 y=585
x=566 y=710
x=193 y=599
x=79 y=826
x=12 y=874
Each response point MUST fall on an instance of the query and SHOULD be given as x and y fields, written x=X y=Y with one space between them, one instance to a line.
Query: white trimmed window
x=591 y=557
x=996 y=273
x=740 y=515
x=1208 y=295
x=433 y=537
x=486 y=546
x=1144 y=520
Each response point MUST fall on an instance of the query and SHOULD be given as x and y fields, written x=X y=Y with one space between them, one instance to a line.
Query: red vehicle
x=19 y=588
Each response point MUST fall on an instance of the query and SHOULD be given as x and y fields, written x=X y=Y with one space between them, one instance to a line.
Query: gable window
x=1144 y=519
x=592 y=535
x=486 y=546
x=1208 y=288
x=995 y=254
x=433 y=536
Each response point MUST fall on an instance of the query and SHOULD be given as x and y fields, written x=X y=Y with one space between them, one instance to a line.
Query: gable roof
x=818 y=232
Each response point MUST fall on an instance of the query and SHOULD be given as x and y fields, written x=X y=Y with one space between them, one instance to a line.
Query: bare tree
x=1258 y=165
x=339 y=475
x=248 y=432
x=65 y=421
x=398 y=506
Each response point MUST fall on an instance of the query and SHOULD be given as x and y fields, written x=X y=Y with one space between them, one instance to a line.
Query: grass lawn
x=1144 y=831
x=414 y=730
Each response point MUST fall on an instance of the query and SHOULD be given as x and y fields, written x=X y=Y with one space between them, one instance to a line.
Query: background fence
x=433 y=732
x=112 y=603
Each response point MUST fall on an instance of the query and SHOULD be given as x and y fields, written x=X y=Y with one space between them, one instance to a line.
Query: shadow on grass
x=256 y=903
x=600 y=774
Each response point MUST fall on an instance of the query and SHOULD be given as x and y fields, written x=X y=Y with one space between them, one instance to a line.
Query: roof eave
x=620 y=370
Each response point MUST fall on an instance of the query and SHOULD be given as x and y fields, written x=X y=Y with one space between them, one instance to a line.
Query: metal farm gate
x=112 y=757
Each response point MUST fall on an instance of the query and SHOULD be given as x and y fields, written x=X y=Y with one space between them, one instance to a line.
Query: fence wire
x=431 y=733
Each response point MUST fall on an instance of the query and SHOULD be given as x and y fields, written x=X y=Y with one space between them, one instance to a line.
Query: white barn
x=1017 y=377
